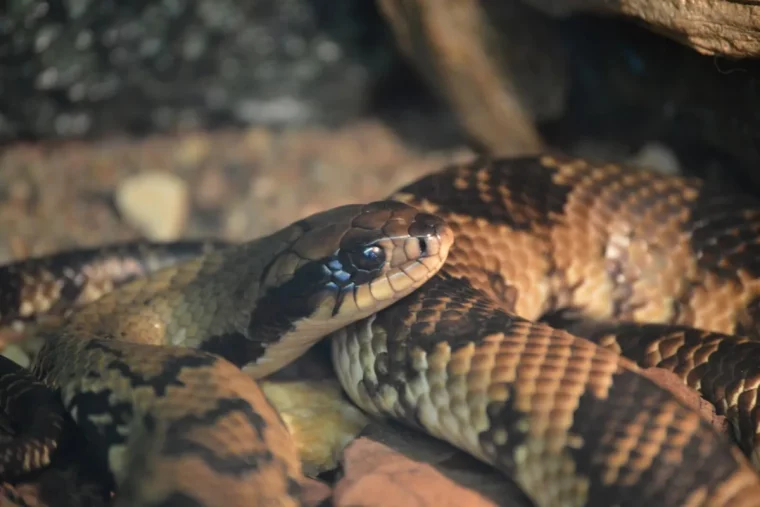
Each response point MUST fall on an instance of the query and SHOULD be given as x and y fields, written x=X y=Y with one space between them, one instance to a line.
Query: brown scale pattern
x=55 y=285
x=723 y=368
x=572 y=423
x=178 y=426
x=607 y=243
x=193 y=416
x=603 y=241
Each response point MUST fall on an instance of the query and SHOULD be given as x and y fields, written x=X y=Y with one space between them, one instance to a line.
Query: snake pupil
x=372 y=257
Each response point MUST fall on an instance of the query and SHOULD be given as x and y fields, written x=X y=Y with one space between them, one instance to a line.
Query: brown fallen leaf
x=406 y=467
x=378 y=476
x=461 y=468
x=314 y=492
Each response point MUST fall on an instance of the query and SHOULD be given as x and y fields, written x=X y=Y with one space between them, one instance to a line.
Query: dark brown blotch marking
x=536 y=199
x=506 y=293
x=282 y=307
x=719 y=373
x=503 y=416
x=171 y=369
x=724 y=232
x=101 y=435
x=220 y=461
x=748 y=322
x=235 y=347
x=706 y=456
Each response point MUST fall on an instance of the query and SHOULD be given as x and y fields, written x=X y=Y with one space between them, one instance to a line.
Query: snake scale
x=444 y=337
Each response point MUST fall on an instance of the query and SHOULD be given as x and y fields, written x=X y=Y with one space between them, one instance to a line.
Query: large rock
x=712 y=27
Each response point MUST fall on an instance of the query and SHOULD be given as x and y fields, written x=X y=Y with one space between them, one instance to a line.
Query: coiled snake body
x=455 y=353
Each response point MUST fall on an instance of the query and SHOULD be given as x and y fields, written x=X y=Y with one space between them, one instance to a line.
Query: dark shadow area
x=631 y=86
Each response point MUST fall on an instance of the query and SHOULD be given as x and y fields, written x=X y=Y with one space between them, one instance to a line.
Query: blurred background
x=179 y=118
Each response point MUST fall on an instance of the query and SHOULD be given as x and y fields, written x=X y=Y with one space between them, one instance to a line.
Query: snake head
x=343 y=265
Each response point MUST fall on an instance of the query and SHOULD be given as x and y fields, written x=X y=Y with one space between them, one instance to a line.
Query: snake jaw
x=339 y=271
x=335 y=307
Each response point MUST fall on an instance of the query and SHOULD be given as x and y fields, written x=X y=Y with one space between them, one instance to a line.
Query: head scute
x=356 y=260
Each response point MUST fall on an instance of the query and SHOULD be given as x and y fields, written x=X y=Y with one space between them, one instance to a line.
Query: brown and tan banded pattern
x=546 y=233
x=55 y=285
x=725 y=369
x=178 y=425
x=538 y=235
x=574 y=424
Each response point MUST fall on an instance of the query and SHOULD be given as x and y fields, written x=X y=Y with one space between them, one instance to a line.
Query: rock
x=267 y=183
x=498 y=64
x=391 y=464
x=156 y=203
x=377 y=476
x=730 y=28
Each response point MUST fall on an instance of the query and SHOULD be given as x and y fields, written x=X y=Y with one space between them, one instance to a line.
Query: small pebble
x=658 y=157
x=156 y=203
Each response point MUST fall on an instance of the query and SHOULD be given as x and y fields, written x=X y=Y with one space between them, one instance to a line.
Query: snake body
x=151 y=371
x=461 y=356
x=55 y=285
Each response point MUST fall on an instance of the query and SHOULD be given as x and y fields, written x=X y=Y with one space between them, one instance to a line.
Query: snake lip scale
x=431 y=300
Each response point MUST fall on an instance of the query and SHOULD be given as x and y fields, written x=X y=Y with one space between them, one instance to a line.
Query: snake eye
x=370 y=258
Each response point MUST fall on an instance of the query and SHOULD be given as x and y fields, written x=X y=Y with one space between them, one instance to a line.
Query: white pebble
x=156 y=203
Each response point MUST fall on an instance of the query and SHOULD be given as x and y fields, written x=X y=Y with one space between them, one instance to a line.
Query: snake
x=432 y=301
x=162 y=394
